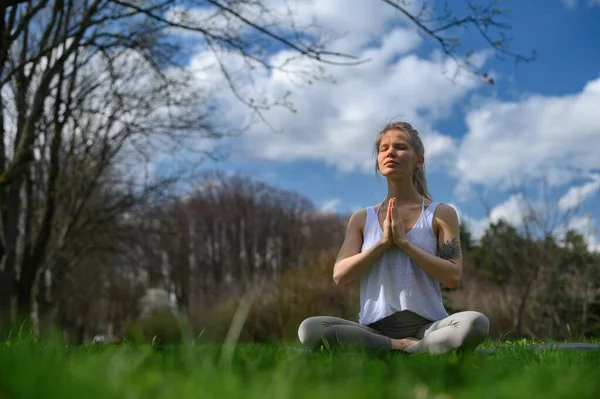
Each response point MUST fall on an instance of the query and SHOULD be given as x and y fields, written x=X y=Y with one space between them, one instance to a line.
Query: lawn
x=30 y=370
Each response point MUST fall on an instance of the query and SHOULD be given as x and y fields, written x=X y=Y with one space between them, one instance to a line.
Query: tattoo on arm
x=450 y=250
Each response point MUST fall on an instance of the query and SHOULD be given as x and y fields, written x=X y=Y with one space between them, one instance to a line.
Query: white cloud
x=477 y=227
x=330 y=206
x=356 y=23
x=337 y=123
x=553 y=137
x=209 y=18
x=586 y=226
x=582 y=224
x=348 y=27
x=577 y=195
x=512 y=210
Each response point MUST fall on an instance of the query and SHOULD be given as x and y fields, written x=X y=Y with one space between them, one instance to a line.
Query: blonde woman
x=402 y=250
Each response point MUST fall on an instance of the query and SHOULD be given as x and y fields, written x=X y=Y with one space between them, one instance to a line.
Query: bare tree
x=78 y=109
x=231 y=233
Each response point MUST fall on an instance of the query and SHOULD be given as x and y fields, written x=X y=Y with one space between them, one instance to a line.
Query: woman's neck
x=404 y=192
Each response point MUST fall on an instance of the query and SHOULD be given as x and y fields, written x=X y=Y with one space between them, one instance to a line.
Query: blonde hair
x=419 y=178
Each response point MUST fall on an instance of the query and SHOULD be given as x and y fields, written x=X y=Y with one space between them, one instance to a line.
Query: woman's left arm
x=447 y=266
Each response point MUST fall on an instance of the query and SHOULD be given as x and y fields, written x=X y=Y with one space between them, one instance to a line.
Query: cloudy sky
x=539 y=122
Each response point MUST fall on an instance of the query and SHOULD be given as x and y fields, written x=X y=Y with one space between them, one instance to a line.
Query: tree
x=229 y=234
x=574 y=296
x=466 y=237
x=78 y=109
x=542 y=267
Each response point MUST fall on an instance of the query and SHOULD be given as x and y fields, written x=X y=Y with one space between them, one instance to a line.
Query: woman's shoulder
x=358 y=219
x=444 y=214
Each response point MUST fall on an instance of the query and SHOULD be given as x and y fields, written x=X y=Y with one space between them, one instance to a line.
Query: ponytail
x=420 y=182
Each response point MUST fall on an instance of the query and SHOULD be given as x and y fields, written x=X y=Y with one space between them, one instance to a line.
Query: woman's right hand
x=388 y=235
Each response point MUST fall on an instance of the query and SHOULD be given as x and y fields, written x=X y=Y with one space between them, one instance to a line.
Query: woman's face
x=395 y=156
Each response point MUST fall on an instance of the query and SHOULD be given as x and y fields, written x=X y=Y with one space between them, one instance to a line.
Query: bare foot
x=403 y=343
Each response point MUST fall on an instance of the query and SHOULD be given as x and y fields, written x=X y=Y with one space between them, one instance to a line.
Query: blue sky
x=540 y=121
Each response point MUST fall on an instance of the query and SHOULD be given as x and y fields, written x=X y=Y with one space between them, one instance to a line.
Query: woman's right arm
x=351 y=262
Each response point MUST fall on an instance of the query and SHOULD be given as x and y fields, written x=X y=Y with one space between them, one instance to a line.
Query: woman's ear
x=420 y=161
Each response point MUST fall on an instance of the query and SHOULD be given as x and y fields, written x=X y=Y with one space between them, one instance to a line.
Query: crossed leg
x=336 y=331
x=460 y=331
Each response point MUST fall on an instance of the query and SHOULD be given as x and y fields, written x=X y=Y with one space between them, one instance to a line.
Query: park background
x=187 y=168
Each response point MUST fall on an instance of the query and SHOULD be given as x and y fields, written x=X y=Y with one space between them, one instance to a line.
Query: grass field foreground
x=38 y=370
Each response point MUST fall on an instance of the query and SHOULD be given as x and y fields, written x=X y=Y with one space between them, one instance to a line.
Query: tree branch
x=479 y=20
x=311 y=53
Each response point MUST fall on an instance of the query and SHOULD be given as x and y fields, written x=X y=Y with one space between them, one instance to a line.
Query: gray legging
x=462 y=330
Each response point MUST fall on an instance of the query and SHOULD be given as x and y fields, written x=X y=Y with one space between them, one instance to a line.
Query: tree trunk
x=8 y=275
x=7 y=283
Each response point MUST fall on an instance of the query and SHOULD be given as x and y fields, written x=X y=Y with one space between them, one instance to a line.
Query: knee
x=311 y=331
x=479 y=327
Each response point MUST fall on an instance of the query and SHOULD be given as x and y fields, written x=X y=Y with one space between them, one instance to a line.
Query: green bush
x=159 y=328
x=283 y=302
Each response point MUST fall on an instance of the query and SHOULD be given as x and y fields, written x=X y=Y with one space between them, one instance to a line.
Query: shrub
x=158 y=328
x=284 y=301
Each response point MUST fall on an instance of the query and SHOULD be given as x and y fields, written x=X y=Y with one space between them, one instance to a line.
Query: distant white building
x=156 y=300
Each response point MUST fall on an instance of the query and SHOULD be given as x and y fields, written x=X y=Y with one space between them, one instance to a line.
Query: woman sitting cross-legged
x=401 y=249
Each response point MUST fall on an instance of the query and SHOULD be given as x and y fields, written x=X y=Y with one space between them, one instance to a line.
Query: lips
x=388 y=163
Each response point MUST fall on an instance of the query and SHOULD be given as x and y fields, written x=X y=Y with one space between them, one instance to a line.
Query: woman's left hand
x=398 y=229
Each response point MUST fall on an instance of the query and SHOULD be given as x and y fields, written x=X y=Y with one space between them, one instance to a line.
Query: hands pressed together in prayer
x=393 y=227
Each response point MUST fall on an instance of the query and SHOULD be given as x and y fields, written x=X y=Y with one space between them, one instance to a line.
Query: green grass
x=30 y=370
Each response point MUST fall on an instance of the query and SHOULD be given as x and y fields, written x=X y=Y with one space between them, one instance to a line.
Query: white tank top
x=394 y=282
